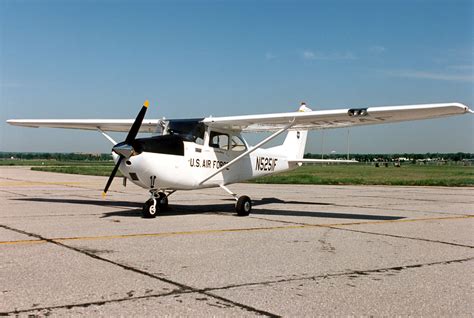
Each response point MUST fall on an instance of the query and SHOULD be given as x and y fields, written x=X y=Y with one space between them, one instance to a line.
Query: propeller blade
x=125 y=147
x=112 y=175
x=136 y=125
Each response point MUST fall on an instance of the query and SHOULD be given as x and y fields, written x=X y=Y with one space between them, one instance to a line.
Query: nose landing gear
x=158 y=202
x=149 y=208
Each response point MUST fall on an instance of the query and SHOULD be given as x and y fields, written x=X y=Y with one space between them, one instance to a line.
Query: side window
x=237 y=144
x=219 y=140
x=199 y=141
x=199 y=134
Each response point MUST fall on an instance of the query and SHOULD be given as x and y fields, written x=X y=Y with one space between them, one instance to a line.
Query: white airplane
x=209 y=152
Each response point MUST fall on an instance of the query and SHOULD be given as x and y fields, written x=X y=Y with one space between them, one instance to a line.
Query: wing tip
x=463 y=106
x=21 y=122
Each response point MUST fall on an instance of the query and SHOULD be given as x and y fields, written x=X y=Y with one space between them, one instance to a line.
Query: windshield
x=189 y=129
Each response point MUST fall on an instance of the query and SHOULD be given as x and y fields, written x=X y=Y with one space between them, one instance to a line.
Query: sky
x=103 y=58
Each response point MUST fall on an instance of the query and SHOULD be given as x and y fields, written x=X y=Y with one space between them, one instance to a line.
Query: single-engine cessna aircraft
x=188 y=154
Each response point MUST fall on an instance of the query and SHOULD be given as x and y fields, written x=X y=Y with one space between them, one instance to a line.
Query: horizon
x=306 y=153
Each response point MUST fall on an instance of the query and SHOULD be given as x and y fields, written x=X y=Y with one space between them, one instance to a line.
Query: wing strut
x=107 y=136
x=250 y=150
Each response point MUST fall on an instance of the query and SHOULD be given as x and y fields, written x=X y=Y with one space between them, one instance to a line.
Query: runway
x=303 y=251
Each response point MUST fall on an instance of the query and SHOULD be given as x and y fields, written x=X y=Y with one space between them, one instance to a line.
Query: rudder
x=295 y=141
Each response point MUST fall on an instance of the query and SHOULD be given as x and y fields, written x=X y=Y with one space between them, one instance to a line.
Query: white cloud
x=308 y=55
x=377 y=49
x=270 y=56
x=318 y=55
x=432 y=75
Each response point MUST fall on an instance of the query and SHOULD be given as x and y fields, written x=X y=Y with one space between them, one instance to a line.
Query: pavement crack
x=339 y=227
x=349 y=273
x=92 y=303
x=14 y=193
x=397 y=209
x=402 y=237
x=243 y=306
x=209 y=291
x=182 y=287
x=326 y=246
x=277 y=221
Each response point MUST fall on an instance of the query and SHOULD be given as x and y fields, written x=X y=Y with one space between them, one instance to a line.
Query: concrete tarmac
x=304 y=250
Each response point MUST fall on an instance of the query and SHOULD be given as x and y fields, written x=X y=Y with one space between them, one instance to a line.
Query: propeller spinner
x=124 y=149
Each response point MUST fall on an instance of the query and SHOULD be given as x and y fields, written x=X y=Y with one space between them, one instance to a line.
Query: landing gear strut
x=162 y=201
x=158 y=202
x=243 y=206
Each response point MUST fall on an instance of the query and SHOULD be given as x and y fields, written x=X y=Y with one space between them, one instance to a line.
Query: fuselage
x=188 y=153
x=186 y=171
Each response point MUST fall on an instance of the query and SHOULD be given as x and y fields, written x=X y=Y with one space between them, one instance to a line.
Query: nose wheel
x=150 y=209
x=157 y=203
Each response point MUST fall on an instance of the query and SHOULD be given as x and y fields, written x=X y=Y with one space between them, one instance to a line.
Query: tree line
x=56 y=156
x=458 y=156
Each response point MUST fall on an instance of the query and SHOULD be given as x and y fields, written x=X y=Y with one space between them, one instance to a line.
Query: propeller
x=124 y=149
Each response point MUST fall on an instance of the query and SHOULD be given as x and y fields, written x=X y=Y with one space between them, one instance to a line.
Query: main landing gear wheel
x=243 y=206
x=150 y=209
x=162 y=201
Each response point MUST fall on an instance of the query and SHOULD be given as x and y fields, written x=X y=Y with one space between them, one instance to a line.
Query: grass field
x=96 y=170
x=72 y=163
x=357 y=174
x=412 y=175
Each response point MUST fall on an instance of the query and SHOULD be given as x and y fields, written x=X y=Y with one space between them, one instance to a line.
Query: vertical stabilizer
x=295 y=141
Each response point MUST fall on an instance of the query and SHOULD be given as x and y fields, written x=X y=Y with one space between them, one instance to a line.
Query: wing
x=87 y=124
x=270 y=122
x=336 y=118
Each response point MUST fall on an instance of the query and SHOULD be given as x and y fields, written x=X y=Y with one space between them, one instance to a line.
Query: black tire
x=162 y=202
x=243 y=206
x=149 y=209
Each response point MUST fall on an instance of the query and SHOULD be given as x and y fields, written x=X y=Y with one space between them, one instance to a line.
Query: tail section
x=295 y=142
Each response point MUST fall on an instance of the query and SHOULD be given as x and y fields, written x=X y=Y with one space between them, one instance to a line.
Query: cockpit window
x=219 y=140
x=189 y=129
x=237 y=144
